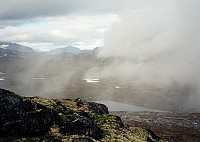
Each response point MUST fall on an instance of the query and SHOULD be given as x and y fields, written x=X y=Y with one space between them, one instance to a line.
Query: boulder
x=80 y=125
x=79 y=122
x=96 y=107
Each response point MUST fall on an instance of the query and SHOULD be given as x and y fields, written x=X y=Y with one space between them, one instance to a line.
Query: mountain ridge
x=70 y=49
x=15 y=46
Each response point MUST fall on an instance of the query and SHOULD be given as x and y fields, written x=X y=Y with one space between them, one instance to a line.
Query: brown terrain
x=175 y=127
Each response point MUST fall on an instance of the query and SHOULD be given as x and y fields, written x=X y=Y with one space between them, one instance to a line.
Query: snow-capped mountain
x=15 y=46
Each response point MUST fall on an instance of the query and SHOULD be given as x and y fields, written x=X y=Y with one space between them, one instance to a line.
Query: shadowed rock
x=23 y=118
x=40 y=119
x=96 y=107
x=27 y=118
x=80 y=122
x=80 y=125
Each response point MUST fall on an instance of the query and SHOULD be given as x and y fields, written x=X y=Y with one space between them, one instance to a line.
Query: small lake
x=116 y=106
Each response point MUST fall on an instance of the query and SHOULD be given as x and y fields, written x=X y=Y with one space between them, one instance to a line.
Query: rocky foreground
x=39 y=119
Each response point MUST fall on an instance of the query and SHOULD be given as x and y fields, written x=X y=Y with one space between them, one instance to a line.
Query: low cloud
x=157 y=45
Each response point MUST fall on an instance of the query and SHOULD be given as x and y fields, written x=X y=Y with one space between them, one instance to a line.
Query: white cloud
x=54 y=32
x=59 y=23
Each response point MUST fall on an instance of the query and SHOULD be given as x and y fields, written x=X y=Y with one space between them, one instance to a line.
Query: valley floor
x=172 y=126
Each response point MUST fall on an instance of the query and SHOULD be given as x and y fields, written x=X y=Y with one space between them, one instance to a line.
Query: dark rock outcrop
x=40 y=119
x=96 y=107
x=83 y=140
x=80 y=125
x=80 y=122
x=23 y=118
x=20 y=117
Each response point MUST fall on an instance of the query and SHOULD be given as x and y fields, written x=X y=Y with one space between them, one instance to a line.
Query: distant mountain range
x=70 y=49
x=8 y=47
x=15 y=47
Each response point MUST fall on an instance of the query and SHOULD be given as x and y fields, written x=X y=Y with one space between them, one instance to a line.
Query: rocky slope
x=39 y=119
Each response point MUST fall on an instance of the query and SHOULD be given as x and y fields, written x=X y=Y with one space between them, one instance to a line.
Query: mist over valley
x=88 y=76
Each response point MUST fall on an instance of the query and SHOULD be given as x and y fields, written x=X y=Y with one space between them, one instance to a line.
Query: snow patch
x=117 y=87
x=23 y=56
x=39 y=78
x=93 y=80
x=3 y=46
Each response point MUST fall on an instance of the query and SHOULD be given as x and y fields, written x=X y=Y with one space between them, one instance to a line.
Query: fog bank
x=157 y=44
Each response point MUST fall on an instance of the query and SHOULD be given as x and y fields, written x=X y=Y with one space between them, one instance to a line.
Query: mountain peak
x=70 y=49
x=15 y=46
